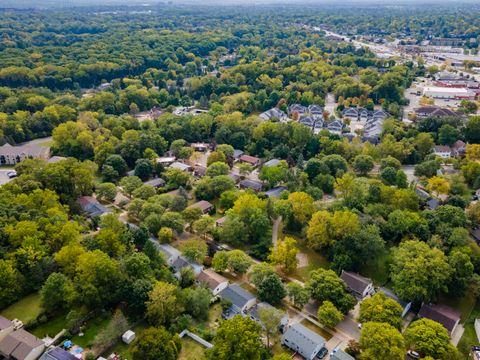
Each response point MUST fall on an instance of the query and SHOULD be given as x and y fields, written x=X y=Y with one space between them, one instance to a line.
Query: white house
x=442 y=151
x=304 y=341
x=357 y=284
x=214 y=281
x=12 y=155
x=448 y=93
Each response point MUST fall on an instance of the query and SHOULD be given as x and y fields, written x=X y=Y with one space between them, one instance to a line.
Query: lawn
x=378 y=270
x=214 y=316
x=469 y=337
x=92 y=328
x=50 y=328
x=315 y=260
x=325 y=334
x=26 y=309
x=123 y=349
x=191 y=350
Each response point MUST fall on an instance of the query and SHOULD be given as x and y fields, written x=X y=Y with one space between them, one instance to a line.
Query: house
x=214 y=281
x=434 y=111
x=442 y=151
x=475 y=233
x=421 y=193
x=250 y=184
x=166 y=160
x=237 y=154
x=57 y=353
x=156 y=182
x=357 y=284
x=335 y=126
x=91 y=206
x=351 y=113
x=404 y=304
x=339 y=354
x=315 y=110
x=6 y=327
x=273 y=162
x=171 y=254
x=254 y=314
x=248 y=159
x=442 y=314
x=274 y=113
x=432 y=204
x=55 y=159
x=304 y=341
x=297 y=108
x=182 y=262
x=459 y=148
x=128 y=336
x=203 y=205
x=21 y=345
x=180 y=166
x=234 y=177
x=219 y=222
x=199 y=171
x=275 y=192
x=241 y=300
x=12 y=155
x=448 y=93
x=200 y=147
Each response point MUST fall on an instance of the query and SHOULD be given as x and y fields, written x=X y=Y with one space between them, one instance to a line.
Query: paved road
x=276 y=225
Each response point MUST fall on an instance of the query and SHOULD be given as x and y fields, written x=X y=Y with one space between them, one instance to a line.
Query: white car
x=12 y=174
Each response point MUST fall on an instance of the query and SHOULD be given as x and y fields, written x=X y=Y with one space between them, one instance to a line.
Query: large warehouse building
x=448 y=93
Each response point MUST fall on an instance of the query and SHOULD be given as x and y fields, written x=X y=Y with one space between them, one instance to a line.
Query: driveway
x=3 y=176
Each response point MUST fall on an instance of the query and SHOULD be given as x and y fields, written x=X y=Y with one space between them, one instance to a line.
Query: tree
x=303 y=207
x=198 y=301
x=419 y=272
x=216 y=156
x=106 y=192
x=204 y=226
x=156 y=343
x=220 y=261
x=165 y=235
x=10 y=283
x=217 y=169
x=144 y=192
x=191 y=214
x=270 y=319
x=298 y=294
x=438 y=185
x=143 y=169
x=318 y=231
x=329 y=315
x=187 y=277
x=238 y=261
x=96 y=279
x=130 y=183
x=272 y=290
x=472 y=130
x=285 y=255
x=57 y=293
x=194 y=249
x=163 y=305
x=259 y=272
x=429 y=338
x=380 y=341
x=363 y=164
x=380 y=308
x=326 y=285
x=447 y=134
x=108 y=336
x=423 y=144
x=237 y=339
x=117 y=163
x=274 y=174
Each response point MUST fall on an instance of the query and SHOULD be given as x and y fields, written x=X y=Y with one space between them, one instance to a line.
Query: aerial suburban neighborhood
x=239 y=180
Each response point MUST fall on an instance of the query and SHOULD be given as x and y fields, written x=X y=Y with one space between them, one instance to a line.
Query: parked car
x=12 y=174
x=322 y=353
x=413 y=354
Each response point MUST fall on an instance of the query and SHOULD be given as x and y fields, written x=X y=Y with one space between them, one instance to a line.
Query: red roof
x=249 y=159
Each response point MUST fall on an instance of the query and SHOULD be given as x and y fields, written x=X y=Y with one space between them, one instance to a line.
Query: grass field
x=315 y=260
x=26 y=309
x=191 y=350
x=92 y=328
x=51 y=328
x=123 y=349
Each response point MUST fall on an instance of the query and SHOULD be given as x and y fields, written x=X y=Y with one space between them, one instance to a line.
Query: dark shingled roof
x=355 y=282
x=57 y=354
x=442 y=314
x=237 y=295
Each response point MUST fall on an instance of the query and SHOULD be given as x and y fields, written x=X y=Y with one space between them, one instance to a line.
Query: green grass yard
x=191 y=350
x=315 y=260
x=123 y=349
x=469 y=337
x=50 y=328
x=92 y=328
x=26 y=309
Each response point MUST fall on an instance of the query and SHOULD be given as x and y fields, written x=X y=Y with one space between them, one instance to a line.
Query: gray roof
x=390 y=294
x=275 y=192
x=237 y=153
x=237 y=295
x=303 y=339
x=339 y=354
x=442 y=314
x=355 y=282
x=19 y=344
x=180 y=166
x=91 y=206
x=273 y=162
x=273 y=113
x=169 y=251
x=27 y=149
x=5 y=323
x=57 y=354
x=156 y=182
x=251 y=184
